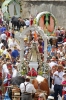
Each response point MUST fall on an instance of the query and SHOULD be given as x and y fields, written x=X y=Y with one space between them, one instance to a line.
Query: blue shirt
x=49 y=48
x=2 y=29
x=15 y=53
x=43 y=45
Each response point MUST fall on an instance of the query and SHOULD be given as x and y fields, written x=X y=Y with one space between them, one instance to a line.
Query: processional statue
x=34 y=52
x=33 y=63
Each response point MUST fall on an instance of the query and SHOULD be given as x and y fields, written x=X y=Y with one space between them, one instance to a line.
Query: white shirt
x=9 y=40
x=51 y=64
x=27 y=22
x=1 y=44
x=3 y=36
x=29 y=88
x=5 y=51
x=58 y=80
x=5 y=69
x=12 y=44
x=64 y=87
x=15 y=73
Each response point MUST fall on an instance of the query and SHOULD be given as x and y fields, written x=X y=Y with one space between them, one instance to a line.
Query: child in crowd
x=64 y=86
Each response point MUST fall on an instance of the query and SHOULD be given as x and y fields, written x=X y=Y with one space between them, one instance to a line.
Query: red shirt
x=64 y=40
x=7 y=34
x=40 y=49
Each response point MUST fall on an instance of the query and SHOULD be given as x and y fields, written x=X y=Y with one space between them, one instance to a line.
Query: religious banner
x=46 y=21
x=10 y=8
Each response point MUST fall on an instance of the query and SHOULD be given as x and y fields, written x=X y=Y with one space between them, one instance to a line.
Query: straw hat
x=53 y=58
x=27 y=77
x=25 y=39
x=60 y=44
x=59 y=66
x=15 y=47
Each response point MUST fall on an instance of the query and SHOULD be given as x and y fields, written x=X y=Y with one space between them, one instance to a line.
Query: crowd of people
x=9 y=56
x=56 y=59
x=56 y=56
x=57 y=63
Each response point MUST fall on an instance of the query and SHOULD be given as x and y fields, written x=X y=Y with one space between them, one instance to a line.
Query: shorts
x=63 y=92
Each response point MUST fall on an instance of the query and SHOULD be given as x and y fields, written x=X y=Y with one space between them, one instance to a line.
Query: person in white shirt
x=3 y=36
x=15 y=72
x=4 y=39
x=27 y=89
x=1 y=44
x=57 y=79
x=27 y=22
x=4 y=68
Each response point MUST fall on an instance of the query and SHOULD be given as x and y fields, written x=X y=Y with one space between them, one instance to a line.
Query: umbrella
x=17 y=80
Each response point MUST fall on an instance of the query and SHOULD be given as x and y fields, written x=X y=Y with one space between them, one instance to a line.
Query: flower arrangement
x=23 y=68
x=40 y=72
x=44 y=69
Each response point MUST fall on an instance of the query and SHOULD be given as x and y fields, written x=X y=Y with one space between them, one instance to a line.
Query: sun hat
x=59 y=66
x=53 y=58
x=25 y=39
x=27 y=77
x=59 y=44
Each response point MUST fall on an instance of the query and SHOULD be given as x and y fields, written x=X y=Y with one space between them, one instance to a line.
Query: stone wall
x=56 y=7
x=44 y=0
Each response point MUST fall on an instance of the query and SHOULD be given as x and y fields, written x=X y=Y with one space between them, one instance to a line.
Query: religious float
x=9 y=8
x=32 y=60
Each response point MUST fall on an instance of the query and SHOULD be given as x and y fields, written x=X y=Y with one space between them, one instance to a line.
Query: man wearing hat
x=57 y=79
x=27 y=89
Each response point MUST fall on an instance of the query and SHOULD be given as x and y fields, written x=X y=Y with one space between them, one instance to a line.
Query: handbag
x=59 y=97
x=52 y=89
